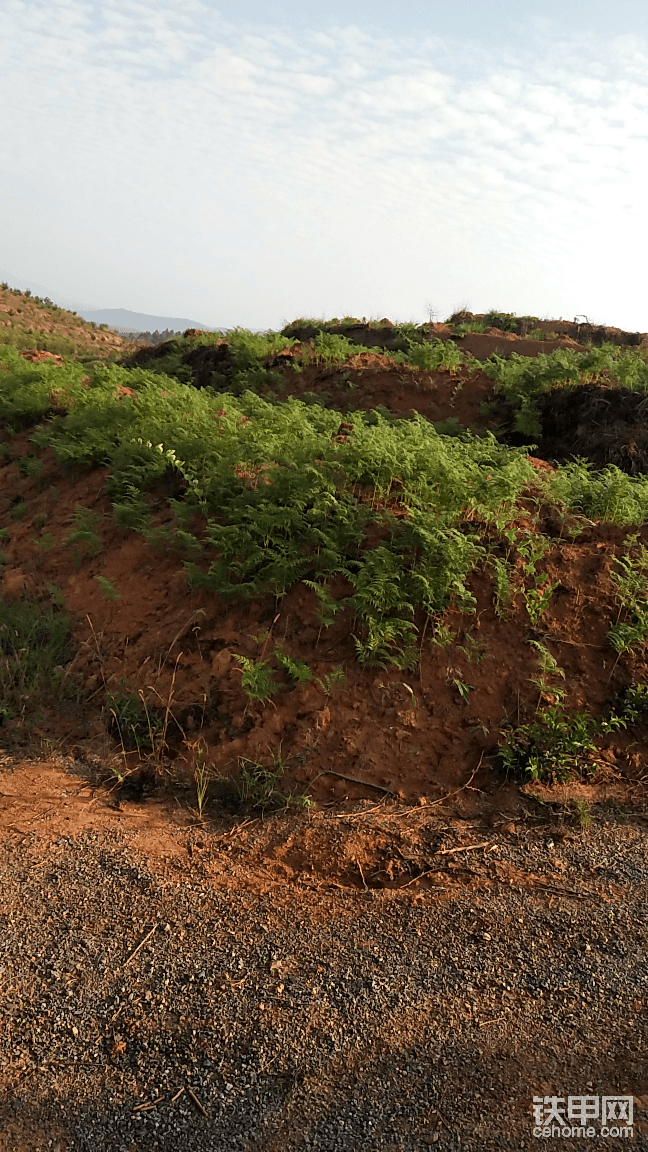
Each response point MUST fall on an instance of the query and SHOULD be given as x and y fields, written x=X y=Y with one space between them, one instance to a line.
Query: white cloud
x=163 y=159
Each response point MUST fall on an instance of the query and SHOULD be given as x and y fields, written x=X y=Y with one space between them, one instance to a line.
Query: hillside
x=30 y=323
x=327 y=549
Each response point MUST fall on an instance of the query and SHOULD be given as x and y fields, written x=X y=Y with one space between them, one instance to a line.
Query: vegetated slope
x=276 y=580
x=30 y=323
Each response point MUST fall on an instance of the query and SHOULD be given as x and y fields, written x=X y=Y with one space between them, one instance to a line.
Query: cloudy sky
x=248 y=162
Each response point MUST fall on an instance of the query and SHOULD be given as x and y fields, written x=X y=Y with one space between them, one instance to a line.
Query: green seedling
x=630 y=577
x=108 y=589
x=56 y=594
x=30 y=466
x=257 y=679
x=443 y=636
x=298 y=670
x=332 y=680
x=475 y=652
x=635 y=703
x=549 y=671
x=328 y=606
x=84 y=537
x=202 y=776
x=503 y=588
x=537 y=601
x=259 y=786
x=584 y=814
x=463 y=689
x=46 y=542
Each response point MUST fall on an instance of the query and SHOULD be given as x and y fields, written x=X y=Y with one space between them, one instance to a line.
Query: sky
x=245 y=162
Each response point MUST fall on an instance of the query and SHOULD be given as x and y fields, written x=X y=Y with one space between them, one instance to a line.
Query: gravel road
x=320 y=1020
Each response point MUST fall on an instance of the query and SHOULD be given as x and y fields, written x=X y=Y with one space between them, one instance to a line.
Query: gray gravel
x=317 y=1020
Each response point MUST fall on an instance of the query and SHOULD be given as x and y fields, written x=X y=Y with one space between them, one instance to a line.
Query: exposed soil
x=368 y=381
x=481 y=345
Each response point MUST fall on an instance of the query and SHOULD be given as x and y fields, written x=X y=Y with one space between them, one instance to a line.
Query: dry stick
x=464 y=848
x=101 y=665
x=442 y=799
x=355 y=780
x=196 y=1100
x=356 y=815
x=177 y=1096
x=362 y=876
x=141 y=945
x=183 y=630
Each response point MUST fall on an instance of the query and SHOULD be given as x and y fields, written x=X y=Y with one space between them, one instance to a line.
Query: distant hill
x=124 y=321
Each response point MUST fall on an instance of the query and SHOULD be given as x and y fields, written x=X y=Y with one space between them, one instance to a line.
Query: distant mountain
x=124 y=321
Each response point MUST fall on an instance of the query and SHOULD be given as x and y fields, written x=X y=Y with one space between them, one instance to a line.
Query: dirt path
x=143 y=960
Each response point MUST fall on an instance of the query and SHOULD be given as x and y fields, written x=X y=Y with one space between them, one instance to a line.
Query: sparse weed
x=84 y=537
x=550 y=670
x=298 y=670
x=332 y=680
x=131 y=721
x=584 y=814
x=30 y=466
x=630 y=578
x=33 y=641
x=46 y=542
x=473 y=650
x=202 y=775
x=463 y=689
x=260 y=786
x=443 y=636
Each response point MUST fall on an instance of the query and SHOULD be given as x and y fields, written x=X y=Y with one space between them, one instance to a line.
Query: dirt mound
x=493 y=342
x=36 y=355
x=605 y=425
